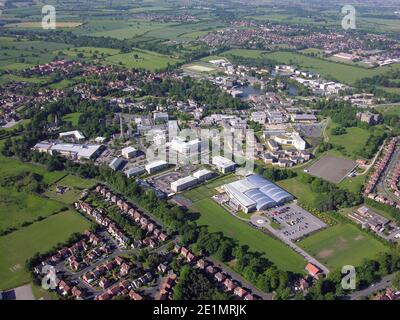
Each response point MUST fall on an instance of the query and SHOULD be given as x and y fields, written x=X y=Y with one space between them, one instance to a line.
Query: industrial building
x=183 y=184
x=129 y=152
x=71 y=151
x=135 y=172
x=203 y=175
x=256 y=193
x=183 y=147
x=116 y=163
x=223 y=165
x=156 y=166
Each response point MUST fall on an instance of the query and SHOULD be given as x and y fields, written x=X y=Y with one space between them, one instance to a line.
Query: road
x=381 y=285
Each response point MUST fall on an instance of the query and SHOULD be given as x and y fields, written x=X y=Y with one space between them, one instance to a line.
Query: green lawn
x=17 y=247
x=73 y=118
x=219 y=220
x=142 y=59
x=341 y=245
x=13 y=167
x=19 y=207
x=300 y=190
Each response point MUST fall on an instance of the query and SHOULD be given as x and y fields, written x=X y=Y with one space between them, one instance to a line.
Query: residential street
x=381 y=285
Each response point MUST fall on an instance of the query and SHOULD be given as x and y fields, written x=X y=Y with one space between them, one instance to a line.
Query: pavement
x=20 y=293
x=385 y=283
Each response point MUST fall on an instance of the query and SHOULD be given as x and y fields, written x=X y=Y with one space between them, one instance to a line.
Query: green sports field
x=219 y=220
x=341 y=245
x=42 y=236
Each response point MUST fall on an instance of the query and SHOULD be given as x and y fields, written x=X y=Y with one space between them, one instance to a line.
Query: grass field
x=219 y=220
x=17 y=247
x=341 y=245
x=328 y=69
x=19 y=207
x=142 y=59
x=13 y=167
x=73 y=118
x=36 y=25
x=300 y=190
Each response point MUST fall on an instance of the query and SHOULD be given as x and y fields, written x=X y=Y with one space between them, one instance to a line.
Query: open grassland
x=341 y=245
x=300 y=190
x=16 y=248
x=219 y=220
x=13 y=167
x=328 y=69
x=38 y=25
x=90 y=52
x=17 y=208
x=142 y=59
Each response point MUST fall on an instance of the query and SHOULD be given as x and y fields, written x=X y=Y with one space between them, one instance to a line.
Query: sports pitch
x=332 y=169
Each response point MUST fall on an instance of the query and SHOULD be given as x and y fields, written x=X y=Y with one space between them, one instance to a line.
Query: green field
x=341 y=245
x=300 y=190
x=352 y=141
x=12 y=167
x=17 y=247
x=19 y=207
x=73 y=118
x=219 y=220
x=144 y=60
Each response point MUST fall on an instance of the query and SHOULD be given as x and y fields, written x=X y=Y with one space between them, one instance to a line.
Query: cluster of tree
x=201 y=91
x=383 y=80
x=127 y=225
x=25 y=182
x=274 y=174
x=193 y=285
x=329 y=196
x=372 y=145
x=338 y=131
x=370 y=271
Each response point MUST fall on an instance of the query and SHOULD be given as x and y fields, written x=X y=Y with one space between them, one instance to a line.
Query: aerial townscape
x=229 y=150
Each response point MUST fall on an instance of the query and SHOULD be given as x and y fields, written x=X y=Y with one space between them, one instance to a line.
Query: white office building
x=203 y=175
x=129 y=152
x=223 y=165
x=156 y=166
x=183 y=184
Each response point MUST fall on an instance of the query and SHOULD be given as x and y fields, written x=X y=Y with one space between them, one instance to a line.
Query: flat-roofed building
x=183 y=184
x=223 y=165
x=71 y=151
x=116 y=164
x=203 y=175
x=72 y=135
x=156 y=166
x=135 y=172
x=129 y=152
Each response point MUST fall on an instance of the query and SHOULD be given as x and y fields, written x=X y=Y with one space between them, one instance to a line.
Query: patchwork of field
x=38 y=24
x=341 y=245
x=16 y=248
x=219 y=220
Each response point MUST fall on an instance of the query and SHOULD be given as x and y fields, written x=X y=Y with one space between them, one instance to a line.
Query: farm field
x=17 y=208
x=219 y=220
x=37 y=25
x=143 y=60
x=341 y=245
x=341 y=72
x=90 y=52
x=19 y=246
